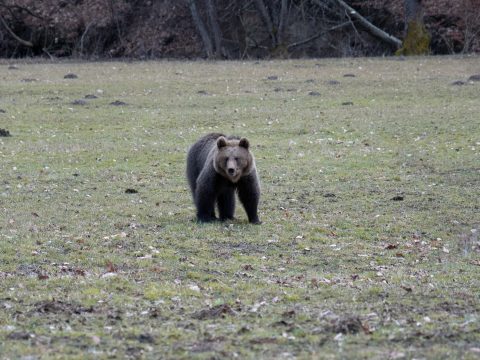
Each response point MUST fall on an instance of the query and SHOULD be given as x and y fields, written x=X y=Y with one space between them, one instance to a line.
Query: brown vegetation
x=236 y=29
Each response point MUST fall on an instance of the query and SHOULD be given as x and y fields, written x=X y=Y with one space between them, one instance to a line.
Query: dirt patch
x=144 y=338
x=266 y=340
x=60 y=307
x=71 y=76
x=79 y=102
x=19 y=335
x=475 y=77
x=227 y=249
x=219 y=311
x=347 y=325
x=118 y=103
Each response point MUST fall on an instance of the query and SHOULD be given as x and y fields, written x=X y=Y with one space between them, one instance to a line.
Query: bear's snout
x=231 y=171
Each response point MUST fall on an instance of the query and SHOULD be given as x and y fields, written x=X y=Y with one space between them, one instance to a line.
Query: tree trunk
x=267 y=20
x=282 y=21
x=207 y=42
x=417 y=39
x=413 y=11
x=217 y=33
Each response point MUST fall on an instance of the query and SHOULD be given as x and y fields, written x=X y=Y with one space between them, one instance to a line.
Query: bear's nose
x=231 y=171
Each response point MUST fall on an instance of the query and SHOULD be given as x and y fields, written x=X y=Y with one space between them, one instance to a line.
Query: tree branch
x=317 y=35
x=10 y=31
x=20 y=8
x=375 y=31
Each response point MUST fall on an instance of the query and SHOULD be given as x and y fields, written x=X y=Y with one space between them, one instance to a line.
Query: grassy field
x=369 y=246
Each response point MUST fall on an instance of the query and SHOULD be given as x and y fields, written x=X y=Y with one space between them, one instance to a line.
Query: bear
x=217 y=166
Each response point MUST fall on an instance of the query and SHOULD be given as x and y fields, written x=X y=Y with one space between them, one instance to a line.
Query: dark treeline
x=236 y=29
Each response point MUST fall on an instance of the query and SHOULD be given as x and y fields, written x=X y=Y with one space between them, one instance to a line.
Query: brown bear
x=217 y=165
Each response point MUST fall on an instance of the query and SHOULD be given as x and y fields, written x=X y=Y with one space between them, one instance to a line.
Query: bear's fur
x=217 y=165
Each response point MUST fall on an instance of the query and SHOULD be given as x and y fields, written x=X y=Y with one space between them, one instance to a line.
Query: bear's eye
x=236 y=159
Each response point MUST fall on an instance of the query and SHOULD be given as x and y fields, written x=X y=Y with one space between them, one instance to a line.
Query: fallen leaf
x=110 y=267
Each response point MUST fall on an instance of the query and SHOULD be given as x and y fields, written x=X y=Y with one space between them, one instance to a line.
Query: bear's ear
x=244 y=143
x=221 y=142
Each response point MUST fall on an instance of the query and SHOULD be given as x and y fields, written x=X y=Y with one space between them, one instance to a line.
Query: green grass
x=338 y=269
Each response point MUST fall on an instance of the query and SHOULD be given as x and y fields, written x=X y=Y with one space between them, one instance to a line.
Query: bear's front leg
x=205 y=202
x=205 y=197
x=249 y=194
x=226 y=203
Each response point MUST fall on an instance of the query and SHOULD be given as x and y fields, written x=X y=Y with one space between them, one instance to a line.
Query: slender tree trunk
x=207 y=42
x=267 y=20
x=282 y=22
x=217 y=33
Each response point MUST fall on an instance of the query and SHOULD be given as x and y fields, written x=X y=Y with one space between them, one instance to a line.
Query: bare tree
x=282 y=22
x=471 y=20
x=217 y=33
x=267 y=20
x=207 y=41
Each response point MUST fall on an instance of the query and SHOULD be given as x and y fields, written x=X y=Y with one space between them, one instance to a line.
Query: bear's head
x=233 y=159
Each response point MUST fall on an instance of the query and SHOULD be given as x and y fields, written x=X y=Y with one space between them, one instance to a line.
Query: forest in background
x=231 y=29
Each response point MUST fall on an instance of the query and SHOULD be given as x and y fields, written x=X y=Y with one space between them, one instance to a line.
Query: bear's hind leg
x=226 y=204
x=206 y=195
